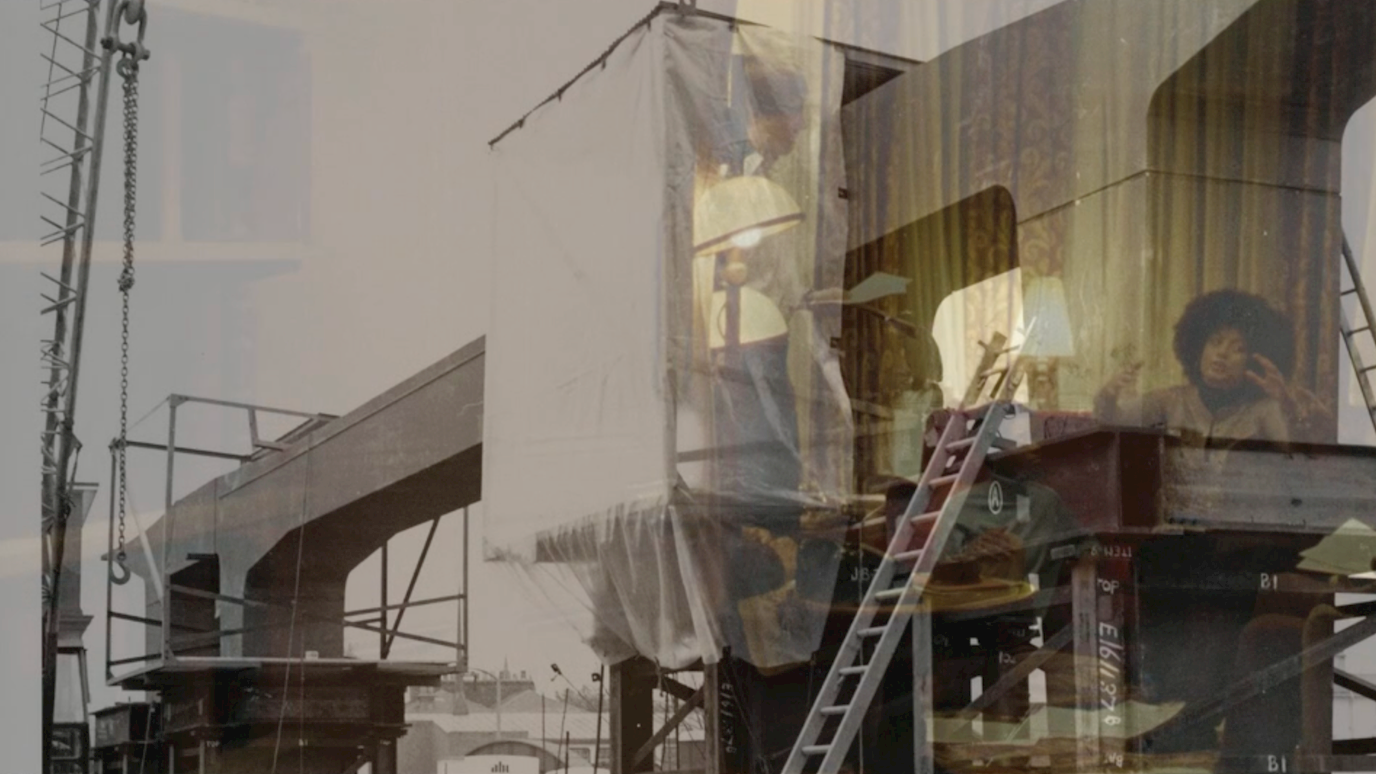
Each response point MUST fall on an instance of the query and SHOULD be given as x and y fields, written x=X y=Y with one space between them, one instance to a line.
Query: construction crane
x=80 y=50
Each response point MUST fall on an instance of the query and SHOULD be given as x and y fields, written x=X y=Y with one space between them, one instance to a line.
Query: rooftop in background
x=477 y=693
x=579 y=725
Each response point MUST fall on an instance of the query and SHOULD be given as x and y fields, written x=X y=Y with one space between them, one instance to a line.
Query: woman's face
x=1223 y=364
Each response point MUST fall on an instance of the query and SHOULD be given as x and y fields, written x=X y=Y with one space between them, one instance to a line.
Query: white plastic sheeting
x=667 y=434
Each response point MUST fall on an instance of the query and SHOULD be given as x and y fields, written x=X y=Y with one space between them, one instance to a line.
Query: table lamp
x=1049 y=336
x=734 y=215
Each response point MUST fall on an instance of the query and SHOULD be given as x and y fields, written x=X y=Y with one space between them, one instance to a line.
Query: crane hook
x=119 y=571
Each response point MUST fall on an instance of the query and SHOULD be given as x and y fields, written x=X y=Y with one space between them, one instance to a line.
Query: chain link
x=129 y=70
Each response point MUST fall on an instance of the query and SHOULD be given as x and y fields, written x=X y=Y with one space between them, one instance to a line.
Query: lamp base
x=1042 y=388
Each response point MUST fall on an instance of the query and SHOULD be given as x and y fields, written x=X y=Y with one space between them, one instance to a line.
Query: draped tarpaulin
x=667 y=435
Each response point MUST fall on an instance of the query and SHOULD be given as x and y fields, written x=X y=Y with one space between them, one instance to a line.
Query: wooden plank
x=1115 y=613
x=1086 y=643
x=1355 y=684
x=1365 y=746
x=1259 y=485
x=676 y=689
x=1045 y=598
x=1019 y=672
x=1359 y=609
x=1346 y=763
x=1125 y=481
x=1275 y=674
x=924 y=706
x=711 y=725
x=694 y=702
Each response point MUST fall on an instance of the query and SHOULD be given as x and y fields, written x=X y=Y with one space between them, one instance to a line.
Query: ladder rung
x=1368 y=368
x=923 y=517
x=816 y=749
x=839 y=709
x=872 y=631
x=1356 y=331
x=961 y=443
x=890 y=593
x=944 y=480
x=1349 y=291
x=854 y=670
x=908 y=555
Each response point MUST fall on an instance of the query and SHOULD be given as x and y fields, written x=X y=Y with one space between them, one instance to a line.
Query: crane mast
x=76 y=54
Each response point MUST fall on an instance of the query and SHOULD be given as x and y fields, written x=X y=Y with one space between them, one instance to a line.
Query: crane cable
x=128 y=68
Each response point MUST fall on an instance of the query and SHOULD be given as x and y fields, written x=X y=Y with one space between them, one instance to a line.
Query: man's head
x=777 y=106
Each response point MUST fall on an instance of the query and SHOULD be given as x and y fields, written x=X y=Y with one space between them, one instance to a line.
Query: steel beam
x=1276 y=674
x=417 y=603
x=188 y=450
x=669 y=726
x=309 y=616
x=410 y=588
x=1357 y=685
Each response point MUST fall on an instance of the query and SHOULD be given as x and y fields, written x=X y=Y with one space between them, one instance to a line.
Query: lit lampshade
x=760 y=318
x=1047 y=319
x=739 y=212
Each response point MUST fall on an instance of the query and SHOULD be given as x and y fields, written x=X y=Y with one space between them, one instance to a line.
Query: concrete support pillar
x=385 y=757
x=632 y=698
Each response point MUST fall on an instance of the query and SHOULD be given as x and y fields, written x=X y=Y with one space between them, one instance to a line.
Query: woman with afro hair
x=1237 y=352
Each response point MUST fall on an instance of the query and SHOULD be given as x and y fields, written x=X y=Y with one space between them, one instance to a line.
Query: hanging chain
x=129 y=70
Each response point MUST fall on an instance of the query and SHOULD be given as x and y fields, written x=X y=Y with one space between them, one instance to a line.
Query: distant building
x=459 y=695
x=460 y=717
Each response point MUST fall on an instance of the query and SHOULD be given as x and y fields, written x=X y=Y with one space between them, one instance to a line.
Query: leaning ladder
x=1361 y=370
x=956 y=460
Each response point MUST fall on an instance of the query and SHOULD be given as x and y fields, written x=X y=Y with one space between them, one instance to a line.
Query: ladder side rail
x=1359 y=367
x=1356 y=275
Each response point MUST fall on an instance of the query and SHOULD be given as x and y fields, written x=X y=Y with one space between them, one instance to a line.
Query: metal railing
x=384 y=619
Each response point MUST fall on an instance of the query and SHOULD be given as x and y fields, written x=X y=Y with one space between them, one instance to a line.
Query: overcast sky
x=384 y=273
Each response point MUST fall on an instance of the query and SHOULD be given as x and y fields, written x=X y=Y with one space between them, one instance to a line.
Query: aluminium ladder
x=851 y=683
x=1360 y=369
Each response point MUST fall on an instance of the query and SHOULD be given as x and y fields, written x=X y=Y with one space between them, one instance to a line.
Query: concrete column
x=632 y=698
x=385 y=757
